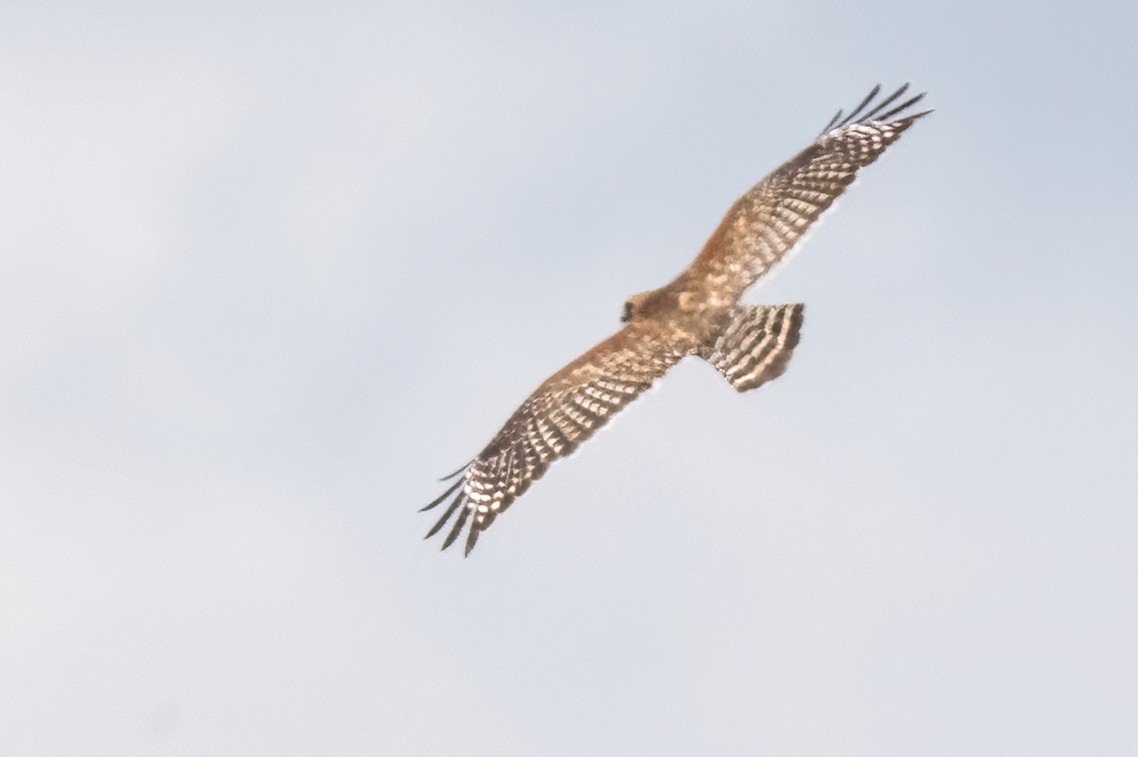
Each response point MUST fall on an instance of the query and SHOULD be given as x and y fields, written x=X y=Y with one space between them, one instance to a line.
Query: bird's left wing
x=763 y=225
x=564 y=411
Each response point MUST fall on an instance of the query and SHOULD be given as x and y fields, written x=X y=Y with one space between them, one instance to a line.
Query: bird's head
x=635 y=307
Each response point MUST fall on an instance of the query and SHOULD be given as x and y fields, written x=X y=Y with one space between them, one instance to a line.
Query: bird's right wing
x=561 y=414
x=765 y=223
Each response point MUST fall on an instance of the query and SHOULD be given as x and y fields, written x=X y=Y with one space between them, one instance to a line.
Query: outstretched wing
x=765 y=223
x=564 y=411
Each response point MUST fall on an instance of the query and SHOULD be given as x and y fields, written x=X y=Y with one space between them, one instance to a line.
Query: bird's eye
x=626 y=314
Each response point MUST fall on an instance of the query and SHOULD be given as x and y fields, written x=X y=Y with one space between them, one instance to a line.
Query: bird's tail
x=757 y=344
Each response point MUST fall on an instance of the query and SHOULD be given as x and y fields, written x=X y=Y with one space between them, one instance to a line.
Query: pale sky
x=267 y=271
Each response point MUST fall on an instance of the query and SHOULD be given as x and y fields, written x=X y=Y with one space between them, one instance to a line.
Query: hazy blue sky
x=268 y=270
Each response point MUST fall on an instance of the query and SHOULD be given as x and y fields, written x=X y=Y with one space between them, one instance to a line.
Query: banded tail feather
x=757 y=344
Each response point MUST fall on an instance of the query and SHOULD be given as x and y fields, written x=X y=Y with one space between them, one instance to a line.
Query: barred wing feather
x=763 y=225
x=562 y=413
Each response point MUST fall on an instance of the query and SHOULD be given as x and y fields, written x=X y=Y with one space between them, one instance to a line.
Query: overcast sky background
x=268 y=271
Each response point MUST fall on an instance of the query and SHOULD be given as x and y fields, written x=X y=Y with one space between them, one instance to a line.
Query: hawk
x=697 y=314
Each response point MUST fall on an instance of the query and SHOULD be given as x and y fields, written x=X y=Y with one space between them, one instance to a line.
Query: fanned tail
x=757 y=345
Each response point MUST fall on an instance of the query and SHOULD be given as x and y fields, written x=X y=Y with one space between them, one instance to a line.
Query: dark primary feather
x=837 y=121
x=872 y=94
x=449 y=476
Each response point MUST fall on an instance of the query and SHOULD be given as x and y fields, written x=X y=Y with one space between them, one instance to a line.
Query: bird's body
x=696 y=314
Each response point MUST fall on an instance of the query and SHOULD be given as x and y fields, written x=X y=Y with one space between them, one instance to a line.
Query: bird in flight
x=697 y=314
